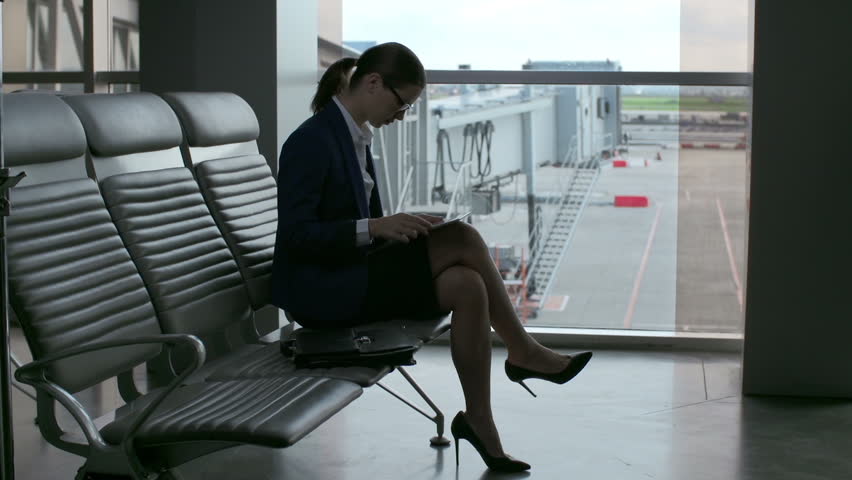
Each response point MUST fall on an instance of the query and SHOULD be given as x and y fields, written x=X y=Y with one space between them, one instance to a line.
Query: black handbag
x=338 y=347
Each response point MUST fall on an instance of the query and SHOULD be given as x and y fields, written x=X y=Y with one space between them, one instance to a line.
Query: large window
x=43 y=35
x=651 y=35
x=602 y=147
x=637 y=213
x=67 y=44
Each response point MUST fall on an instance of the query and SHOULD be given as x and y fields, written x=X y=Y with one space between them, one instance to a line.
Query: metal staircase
x=548 y=245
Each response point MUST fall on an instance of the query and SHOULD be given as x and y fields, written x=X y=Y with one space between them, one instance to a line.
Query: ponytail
x=396 y=63
x=333 y=81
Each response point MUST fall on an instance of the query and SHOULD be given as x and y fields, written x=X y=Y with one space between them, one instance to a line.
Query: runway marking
x=731 y=260
x=688 y=196
x=631 y=308
x=555 y=303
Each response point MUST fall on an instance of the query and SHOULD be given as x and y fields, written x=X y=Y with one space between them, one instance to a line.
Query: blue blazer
x=319 y=275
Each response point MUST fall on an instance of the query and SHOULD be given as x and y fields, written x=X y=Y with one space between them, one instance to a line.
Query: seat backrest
x=43 y=134
x=160 y=213
x=71 y=280
x=237 y=183
x=128 y=132
x=216 y=125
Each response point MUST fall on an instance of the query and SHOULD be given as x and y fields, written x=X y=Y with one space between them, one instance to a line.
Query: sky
x=646 y=35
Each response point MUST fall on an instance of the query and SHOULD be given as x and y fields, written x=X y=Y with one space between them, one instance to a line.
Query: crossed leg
x=467 y=283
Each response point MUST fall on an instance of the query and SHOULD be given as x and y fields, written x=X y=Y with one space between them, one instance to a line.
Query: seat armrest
x=33 y=374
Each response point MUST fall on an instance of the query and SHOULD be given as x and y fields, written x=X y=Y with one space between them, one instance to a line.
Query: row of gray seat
x=147 y=221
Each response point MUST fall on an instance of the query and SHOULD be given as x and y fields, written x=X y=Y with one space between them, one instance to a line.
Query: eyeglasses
x=405 y=106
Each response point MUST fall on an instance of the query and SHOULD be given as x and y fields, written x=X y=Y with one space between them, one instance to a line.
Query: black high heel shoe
x=577 y=363
x=461 y=429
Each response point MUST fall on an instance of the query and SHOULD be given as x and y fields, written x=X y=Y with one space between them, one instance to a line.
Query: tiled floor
x=629 y=415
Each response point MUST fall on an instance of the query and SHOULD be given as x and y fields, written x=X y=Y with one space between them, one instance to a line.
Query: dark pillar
x=798 y=325
x=265 y=52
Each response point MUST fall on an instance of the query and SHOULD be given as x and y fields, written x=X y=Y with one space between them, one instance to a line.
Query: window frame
x=573 y=337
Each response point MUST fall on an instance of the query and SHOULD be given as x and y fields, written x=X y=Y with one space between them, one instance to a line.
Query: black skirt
x=399 y=283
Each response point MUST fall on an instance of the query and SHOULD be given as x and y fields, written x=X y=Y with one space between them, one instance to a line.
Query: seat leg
x=439 y=440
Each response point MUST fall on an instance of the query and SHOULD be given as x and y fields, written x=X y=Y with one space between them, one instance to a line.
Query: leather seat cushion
x=272 y=412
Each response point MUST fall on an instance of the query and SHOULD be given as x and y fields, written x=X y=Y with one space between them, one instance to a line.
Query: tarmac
x=675 y=265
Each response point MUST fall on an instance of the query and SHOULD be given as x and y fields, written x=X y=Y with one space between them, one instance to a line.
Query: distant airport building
x=587 y=115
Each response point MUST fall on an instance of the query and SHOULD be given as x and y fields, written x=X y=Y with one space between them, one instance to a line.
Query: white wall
x=297 y=63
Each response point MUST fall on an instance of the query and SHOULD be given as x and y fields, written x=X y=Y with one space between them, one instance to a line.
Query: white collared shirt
x=362 y=137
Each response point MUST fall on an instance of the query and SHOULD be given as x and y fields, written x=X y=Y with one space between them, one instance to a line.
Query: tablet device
x=391 y=243
x=452 y=220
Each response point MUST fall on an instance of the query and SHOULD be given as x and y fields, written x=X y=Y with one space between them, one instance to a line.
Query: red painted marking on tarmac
x=619 y=163
x=731 y=260
x=687 y=145
x=631 y=308
x=640 y=201
x=712 y=145
x=555 y=303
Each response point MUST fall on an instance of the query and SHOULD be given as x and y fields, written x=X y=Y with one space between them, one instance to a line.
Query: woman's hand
x=402 y=227
x=432 y=219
